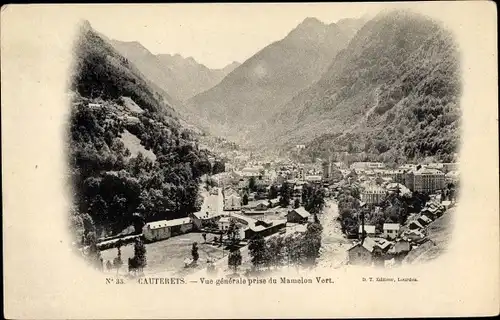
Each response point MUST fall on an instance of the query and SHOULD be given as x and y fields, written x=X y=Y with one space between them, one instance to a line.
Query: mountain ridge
x=236 y=106
x=375 y=82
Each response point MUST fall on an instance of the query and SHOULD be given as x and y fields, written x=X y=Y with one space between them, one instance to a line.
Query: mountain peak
x=85 y=25
x=311 y=22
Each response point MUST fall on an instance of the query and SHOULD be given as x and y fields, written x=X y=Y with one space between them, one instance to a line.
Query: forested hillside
x=391 y=95
x=113 y=189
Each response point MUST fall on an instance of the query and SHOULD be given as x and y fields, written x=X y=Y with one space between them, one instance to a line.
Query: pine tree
x=194 y=252
x=117 y=262
x=234 y=259
x=257 y=249
x=140 y=254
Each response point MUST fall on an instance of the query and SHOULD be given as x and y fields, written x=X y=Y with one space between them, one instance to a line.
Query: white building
x=232 y=202
x=369 y=230
x=203 y=218
x=391 y=230
x=224 y=223
x=367 y=165
x=373 y=194
x=164 y=229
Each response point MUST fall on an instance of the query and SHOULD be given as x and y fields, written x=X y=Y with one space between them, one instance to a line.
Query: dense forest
x=392 y=95
x=113 y=188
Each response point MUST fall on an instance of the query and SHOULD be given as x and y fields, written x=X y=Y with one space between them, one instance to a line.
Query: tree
x=292 y=249
x=245 y=199
x=117 y=262
x=204 y=235
x=138 y=222
x=140 y=254
x=252 y=184
x=218 y=167
x=194 y=252
x=316 y=220
x=285 y=195
x=312 y=243
x=93 y=254
x=273 y=192
x=234 y=259
x=275 y=248
x=296 y=203
x=257 y=249
x=232 y=232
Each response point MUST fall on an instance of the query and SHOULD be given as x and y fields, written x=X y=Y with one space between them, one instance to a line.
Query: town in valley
x=334 y=147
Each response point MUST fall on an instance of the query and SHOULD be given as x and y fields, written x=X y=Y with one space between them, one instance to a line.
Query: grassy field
x=167 y=255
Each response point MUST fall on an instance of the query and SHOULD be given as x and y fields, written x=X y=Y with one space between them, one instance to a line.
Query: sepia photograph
x=336 y=145
x=198 y=146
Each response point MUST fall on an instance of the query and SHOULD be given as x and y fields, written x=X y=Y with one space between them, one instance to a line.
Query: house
x=451 y=177
x=263 y=223
x=400 y=246
x=428 y=180
x=446 y=204
x=251 y=196
x=232 y=202
x=364 y=252
x=273 y=203
x=432 y=212
x=415 y=225
x=94 y=105
x=373 y=194
x=261 y=205
x=391 y=230
x=242 y=184
x=413 y=235
x=264 y=229
x=396 y=187
x=367 y=165
x=424 y=220
x=298 y=215
x=369 y=230
x=313 y=178
x=383 y=244
x=297 y=191
x=164 y=229
x=223 y=223
x=202 y=219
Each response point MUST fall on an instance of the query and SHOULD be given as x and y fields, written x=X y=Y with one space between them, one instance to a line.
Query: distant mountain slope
x=182 y=78
x=392 y=93
x=190 y=76
x=350 y=26
x=248 y=95
x=129 y=158
x=151 y=68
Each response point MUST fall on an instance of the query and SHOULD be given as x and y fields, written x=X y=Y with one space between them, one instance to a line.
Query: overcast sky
x=217 y=34
x=213 y=34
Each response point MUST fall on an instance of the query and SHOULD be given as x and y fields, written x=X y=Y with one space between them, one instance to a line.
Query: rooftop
x=391 y=226
x=168 y=223
x=302 y=212
x=368 y=228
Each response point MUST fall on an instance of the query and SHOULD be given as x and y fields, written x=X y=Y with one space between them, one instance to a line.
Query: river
x=334 y=245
